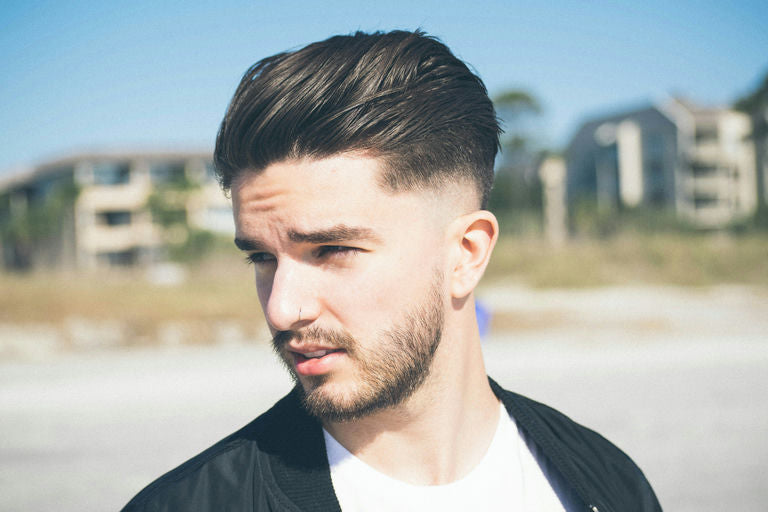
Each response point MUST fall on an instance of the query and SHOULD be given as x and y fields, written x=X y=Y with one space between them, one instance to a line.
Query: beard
x=387 y=373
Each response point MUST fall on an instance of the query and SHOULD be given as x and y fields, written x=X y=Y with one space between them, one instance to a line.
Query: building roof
x=20 y=175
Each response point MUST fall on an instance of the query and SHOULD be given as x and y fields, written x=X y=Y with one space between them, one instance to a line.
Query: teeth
x=317 y=353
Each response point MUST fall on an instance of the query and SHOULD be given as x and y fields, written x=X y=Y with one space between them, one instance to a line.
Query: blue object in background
x=483 y=314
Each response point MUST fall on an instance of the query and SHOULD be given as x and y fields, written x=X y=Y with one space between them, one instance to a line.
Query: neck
x=440 y=433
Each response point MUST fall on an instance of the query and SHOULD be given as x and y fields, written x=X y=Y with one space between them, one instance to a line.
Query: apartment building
x=718 y=175
x=108 y=209
x=624 y=160
x=698 y=162
x=756 y=106
x=760 y=139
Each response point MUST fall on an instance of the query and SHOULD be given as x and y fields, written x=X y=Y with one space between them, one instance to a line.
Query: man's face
x=349 y=277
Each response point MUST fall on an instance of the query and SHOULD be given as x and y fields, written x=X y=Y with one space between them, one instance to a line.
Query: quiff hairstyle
x=399 y=96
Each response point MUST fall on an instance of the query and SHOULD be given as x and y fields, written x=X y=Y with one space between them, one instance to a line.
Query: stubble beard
x=387 y=373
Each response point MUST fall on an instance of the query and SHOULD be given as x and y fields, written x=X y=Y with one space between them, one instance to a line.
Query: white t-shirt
x=507 y=478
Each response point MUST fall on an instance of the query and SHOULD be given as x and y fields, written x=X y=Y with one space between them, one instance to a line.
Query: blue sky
x=81 y=75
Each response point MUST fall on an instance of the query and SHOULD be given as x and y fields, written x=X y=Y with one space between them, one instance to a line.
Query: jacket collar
x=297 y=458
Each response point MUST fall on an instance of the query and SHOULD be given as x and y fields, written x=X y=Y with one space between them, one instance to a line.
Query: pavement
x=678 y=378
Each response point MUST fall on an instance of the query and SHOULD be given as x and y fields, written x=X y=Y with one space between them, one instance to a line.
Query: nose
x=289 y=300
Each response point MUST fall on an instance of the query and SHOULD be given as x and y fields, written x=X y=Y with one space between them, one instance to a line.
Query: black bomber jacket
x=278 y=463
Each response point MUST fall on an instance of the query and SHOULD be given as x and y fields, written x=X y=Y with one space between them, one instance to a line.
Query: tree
x=168 y=207
x=516 y=194
x=755 y=99
x=37 y=231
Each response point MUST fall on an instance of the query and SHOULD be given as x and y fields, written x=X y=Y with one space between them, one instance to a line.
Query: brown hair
x=400 y=96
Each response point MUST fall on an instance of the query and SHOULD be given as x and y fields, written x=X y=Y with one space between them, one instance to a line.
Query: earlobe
x=475 y=238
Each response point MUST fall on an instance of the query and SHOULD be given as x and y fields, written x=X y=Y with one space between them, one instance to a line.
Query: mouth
x=316 y=362
x=317 y=353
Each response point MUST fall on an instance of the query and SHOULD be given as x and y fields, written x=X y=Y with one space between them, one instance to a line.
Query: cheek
x=366 y=306
x=378 y=296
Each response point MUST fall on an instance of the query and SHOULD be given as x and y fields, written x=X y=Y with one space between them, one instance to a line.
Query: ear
x=474 y=237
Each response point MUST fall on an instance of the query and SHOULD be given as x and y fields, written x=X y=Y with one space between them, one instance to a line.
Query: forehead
x=306 y=194
x=306 y=177
x=306 y=180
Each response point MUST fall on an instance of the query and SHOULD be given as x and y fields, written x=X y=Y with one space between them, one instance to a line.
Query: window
x=702 y=170
x=111 y=173
x=114 y=218
x=118 y=258
x=706 y=133
x=704 y=202
x=167 y=173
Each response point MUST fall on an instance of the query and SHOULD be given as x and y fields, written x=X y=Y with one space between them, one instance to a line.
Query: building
x=697 y=162
x=628 y=159
x=108 y=209
x=756 y=106
x=718 y=181
x=760 y=139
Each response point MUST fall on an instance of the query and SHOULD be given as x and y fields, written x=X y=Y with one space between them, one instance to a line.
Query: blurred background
x=629 y=288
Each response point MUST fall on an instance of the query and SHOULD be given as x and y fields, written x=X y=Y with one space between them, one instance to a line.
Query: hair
x=399 y=96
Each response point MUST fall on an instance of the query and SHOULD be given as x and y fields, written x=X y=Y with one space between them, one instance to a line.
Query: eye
x=333 y=251
x=259 y=258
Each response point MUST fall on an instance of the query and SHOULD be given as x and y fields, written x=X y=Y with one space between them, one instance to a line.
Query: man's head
x=357 y=167
x=402 y=97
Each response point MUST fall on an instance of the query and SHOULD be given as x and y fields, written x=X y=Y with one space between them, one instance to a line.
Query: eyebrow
x=249 y=245
x=339 y=233
x=335 y=234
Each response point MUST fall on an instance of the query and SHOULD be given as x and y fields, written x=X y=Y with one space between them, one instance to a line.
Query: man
x=359 y=169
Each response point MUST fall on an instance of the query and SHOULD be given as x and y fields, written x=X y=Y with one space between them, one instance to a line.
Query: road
x=678 y=379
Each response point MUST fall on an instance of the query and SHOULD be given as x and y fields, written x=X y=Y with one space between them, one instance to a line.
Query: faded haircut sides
x=399 y=96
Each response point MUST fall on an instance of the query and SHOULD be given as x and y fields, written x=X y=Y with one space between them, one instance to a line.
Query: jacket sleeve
x=220 y=478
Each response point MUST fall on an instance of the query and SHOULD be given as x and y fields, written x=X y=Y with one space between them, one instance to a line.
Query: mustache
x=325 y=337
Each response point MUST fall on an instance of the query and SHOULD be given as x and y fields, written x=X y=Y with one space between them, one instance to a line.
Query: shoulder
x=597 y=470
x=233 y=474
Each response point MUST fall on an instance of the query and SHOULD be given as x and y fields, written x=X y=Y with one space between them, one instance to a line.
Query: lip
x=315 y=365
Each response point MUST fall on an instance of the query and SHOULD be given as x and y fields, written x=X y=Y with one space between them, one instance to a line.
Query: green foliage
x=513 y=191
x=630 y=258
x=168 y=207
x=587 y=220
x=517 y=202
x=516 y=197
x=204 y=302
x=168 y=202
x=41 y=219
x=757 y=223
x=516 y=101
x=753 y=100
x=760 y=220
x=197 y=244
